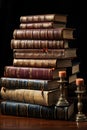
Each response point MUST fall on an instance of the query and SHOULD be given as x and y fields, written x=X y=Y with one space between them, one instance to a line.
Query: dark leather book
x=38 y=73
x=45 y=34
x=44 y=18
x=35 y=78
x=45 y=53
x=34 y=84
x=40 y=44
x=37 y=111
x=43 y=25
x=44 y=63
x=73 y=77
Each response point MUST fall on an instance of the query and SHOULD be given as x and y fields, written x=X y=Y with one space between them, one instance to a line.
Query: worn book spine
x=44 y=53
x=31 y=72
x=42 y=25
x=38 y=44
x=23 y=55
x=46 y=50
x=36 y=111
x=38 y=73
x=41 y=34
x=49 y=63
x=44 y=17
x=40 y=97
x=20 y=83
x=43 y=63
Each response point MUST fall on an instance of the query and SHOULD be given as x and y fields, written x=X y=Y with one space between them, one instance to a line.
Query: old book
x=44 y=18
x=44 y=53
x=44 y=25
x=34 y=84
x=46 y=98
x=35 y=78
x=45 y=34
x=38 y=73
x=75 y=67
x=73 y=77
x=43 y=63
x=37 y=111
x=40 y=44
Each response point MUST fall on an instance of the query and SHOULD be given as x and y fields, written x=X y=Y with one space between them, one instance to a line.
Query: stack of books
x=42 y=46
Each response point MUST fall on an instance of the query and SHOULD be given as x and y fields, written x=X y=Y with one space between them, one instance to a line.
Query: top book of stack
x=44 y=27
x=43 y=21
x=44 y=18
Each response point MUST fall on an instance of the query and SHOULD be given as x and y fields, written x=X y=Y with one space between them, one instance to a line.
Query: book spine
x=34 y=110
x=46 y=98
x=37 y=25
x=29 y=73
x=61 y=54
x=37 y=44
x=37 y=18
x=49 y=63
x=18 y=55
x=17 y=83
x=44 y=50
x=50 y=34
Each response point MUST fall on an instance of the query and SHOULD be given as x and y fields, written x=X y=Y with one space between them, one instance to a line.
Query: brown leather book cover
x=44 y=17
x=37 y=111
x=41 y=25
x=39 y=44
x=47 y=98
x=45 y=53
x=44 y=34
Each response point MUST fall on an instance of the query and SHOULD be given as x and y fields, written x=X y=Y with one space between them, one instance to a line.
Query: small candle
x=79 y=81
x=62 y=74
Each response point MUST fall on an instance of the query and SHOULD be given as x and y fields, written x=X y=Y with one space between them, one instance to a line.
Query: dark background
x=11 y=10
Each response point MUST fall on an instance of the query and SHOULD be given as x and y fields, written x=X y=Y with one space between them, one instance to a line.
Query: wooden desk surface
x=24 y=123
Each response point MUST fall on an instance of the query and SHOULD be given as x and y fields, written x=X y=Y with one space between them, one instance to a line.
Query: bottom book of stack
x=21 y=109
